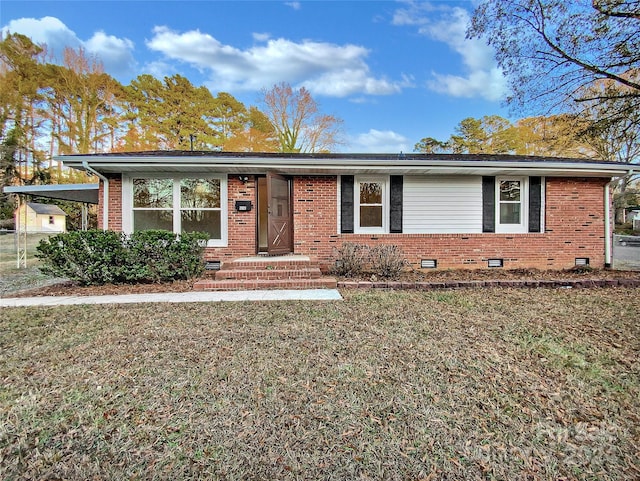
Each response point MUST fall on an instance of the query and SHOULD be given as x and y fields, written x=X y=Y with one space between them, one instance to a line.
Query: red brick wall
x=242 y=225
x=115 y=203
x=574 y=224
x=315 y=217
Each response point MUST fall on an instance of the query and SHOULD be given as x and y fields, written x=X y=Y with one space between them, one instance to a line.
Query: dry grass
x=9 y=249
x=464 y=385
x=14 y=279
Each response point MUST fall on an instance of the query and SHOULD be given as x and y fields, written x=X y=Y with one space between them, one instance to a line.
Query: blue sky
x=395 y=72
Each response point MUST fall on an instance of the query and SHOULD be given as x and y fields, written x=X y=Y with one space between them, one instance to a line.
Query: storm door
x=280 y=218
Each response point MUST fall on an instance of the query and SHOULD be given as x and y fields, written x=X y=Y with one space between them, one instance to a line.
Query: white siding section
x=442 y=205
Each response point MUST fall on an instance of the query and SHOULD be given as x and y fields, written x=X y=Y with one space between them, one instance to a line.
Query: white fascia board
x=344 y=165
x=47 y=188
x=87 y=193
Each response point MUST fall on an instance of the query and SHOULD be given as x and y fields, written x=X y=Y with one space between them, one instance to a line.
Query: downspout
x=607 y=224
x=105 y=194
x=607 y=219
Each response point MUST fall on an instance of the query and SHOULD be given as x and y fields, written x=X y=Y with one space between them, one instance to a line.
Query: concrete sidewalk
x=227 y=296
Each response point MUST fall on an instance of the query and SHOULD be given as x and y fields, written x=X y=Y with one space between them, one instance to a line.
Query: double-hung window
x=152 y=204
x=200 y=206
x=511 y=204
x=178 y=205
x=371 y=209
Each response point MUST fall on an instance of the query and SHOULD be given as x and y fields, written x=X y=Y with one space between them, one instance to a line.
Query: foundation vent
x=212 y=265
x=428 y=264
x=495 y=263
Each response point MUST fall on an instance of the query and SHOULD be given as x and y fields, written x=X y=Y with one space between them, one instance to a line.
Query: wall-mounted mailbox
x=243 y=205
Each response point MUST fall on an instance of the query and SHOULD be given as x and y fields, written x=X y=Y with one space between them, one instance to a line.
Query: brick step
x=257 y=284
x=269 y=274
x=267 y=264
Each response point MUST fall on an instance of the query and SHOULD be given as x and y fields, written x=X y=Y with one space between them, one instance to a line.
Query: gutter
x=351 y=169
x=292 y=164
x=607 y=218
x=105 y=194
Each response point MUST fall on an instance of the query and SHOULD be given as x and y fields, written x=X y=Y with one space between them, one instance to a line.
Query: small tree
x=298 y=123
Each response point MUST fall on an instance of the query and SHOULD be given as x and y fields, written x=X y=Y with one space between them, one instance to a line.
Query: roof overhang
x=87 y=193
x=332 y=164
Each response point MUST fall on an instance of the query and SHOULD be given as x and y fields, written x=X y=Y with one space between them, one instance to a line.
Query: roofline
x=50 y=207
x=343 y=163
x=87 y=193
x=18 y=189
x=321 y=156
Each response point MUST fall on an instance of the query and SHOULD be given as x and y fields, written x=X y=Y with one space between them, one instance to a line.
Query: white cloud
x=414 y=13
x=261 y=37
x=353 y=81
x=115 y=53
x=324 y=68
x=385 y=141
x=49 y=30
x=294 y=5
x=159 y=69
x=489 y=84
x=482 y=78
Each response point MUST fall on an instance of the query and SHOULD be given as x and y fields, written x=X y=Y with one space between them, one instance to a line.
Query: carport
x=84 y=193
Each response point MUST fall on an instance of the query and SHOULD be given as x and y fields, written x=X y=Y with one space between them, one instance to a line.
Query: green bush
x=89 y=257
x=102 y=257
x=161 y=256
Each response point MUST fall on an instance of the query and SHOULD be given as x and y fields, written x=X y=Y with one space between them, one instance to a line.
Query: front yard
x=504 y=384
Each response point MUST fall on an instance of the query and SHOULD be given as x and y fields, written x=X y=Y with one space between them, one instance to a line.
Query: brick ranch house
x=443 y=211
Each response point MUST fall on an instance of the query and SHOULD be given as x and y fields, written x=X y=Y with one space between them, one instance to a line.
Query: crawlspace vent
x=212 y=265
x=582 y=261
x=428 y=263
x=495 y=262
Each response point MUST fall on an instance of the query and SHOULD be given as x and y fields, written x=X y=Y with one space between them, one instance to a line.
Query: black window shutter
x=535 y=203
x=346 y=204
x=488 y=204
x=395 y=210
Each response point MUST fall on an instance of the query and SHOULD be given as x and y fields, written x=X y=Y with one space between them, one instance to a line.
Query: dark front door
x=280 y=225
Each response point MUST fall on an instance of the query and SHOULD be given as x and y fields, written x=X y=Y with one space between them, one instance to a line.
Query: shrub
x=586 y=269
x=351 y=259
x=161 y=256
x=89 y=257
x=101 y=257
x=624 y=229
x=387 y=261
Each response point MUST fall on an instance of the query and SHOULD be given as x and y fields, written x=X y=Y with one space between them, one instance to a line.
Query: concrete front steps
x=262 y=272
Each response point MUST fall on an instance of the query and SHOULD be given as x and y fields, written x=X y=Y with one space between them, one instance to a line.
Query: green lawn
x=456 y=385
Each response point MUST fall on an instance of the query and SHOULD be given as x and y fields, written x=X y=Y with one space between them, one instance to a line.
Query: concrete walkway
x=228 y=296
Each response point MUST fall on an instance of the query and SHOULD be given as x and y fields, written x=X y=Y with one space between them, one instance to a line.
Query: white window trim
x=127 y=202
x=523 y=226
x=382 y=179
